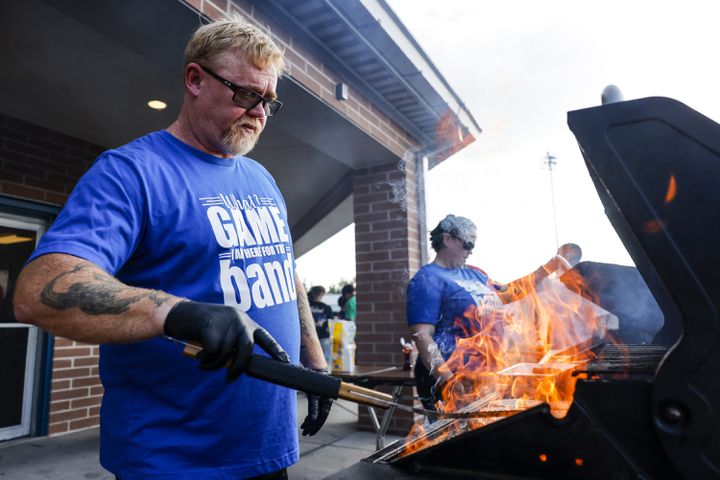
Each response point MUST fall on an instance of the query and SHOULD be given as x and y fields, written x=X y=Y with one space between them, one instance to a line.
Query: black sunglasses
x=467 y=244
x=246 y=98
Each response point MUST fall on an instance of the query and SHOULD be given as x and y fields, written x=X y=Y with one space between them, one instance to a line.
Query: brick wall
x=76 y=389
x=317 y=77
x=40 y=164
x=387 y=246
x=43 y=165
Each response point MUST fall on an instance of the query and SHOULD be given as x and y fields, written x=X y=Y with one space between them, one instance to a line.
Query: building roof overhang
x=86 y=69
x=367 y=45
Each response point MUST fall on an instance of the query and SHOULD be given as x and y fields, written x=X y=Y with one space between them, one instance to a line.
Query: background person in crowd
x=441 y=293
x=348 y=306
x=341 y=303
x=153 y=242
x=321 y=313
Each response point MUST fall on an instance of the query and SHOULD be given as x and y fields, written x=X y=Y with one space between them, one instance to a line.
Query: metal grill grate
x=626 y=359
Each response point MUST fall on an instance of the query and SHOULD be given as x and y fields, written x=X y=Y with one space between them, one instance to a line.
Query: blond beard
x=239 y=142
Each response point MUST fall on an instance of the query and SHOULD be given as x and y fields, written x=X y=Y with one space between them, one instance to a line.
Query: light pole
x=551 y=161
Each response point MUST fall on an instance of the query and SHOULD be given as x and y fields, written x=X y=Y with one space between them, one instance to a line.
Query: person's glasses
x=246 y=98
x=466 y=244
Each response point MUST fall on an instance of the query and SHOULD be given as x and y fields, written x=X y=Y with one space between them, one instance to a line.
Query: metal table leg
x=387 y=416
x=374 y=418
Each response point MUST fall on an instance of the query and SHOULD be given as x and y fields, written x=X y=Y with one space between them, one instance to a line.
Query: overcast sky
x=520 y=66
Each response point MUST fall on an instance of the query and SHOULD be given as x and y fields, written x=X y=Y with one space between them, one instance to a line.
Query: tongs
x=302 y=379
x=310 y=381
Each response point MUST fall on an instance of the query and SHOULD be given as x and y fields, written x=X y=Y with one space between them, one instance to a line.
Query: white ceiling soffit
x=365 y=43
x=331 y=224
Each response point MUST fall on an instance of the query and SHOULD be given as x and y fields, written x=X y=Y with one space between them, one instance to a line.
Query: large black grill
x=647 y=406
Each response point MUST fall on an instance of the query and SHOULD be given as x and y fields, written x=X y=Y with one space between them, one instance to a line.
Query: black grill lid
x=656 y=166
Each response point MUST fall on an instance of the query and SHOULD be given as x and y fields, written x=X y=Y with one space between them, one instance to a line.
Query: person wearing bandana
x=446 y=298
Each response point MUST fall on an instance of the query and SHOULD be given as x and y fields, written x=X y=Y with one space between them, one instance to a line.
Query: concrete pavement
x=75 y=456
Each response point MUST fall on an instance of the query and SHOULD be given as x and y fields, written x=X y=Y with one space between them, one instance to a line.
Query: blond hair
x=234 y=33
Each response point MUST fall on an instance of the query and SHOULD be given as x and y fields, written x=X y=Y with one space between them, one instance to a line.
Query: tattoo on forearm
x=307 y=324
x=158 y=298
x=306 y=327
x=103 y=296
x=309 y=344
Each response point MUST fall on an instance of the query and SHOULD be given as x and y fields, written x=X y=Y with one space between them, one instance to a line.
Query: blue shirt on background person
x=448 y=300
x=442 y=296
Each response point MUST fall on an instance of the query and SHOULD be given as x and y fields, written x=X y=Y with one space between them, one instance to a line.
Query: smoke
x=402 y=281
x=399 y=187
x=640 y=316
x=436 y=358
x=622 y=291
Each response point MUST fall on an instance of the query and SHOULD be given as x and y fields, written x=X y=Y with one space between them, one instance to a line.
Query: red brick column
x=387 y=245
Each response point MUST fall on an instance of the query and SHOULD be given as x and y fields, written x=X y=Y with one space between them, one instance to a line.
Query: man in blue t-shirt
x=178 y=233
x=442 y=294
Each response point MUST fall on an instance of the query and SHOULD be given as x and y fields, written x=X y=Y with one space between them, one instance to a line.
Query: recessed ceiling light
x=157 y=104
x=12 y=239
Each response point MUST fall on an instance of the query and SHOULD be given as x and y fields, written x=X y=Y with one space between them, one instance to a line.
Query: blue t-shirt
x=442 y=296
x=159 y=214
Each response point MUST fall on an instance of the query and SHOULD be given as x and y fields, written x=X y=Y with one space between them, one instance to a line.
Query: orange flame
x=653 y=227
x=671 y=190
x=517 y=356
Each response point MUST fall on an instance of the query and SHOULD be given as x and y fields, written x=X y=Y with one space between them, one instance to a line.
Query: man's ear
x=193 y=79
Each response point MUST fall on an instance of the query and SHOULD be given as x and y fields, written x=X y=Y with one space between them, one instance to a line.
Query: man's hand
x=227 y=336
x=318 y=411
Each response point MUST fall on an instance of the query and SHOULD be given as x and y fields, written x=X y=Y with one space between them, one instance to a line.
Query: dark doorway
x=18 y=342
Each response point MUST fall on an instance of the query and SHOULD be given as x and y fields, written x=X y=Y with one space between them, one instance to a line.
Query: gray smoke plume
x=622 y=291
x=399 y=187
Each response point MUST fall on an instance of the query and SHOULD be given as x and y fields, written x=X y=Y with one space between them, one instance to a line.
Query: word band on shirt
x=254 y=233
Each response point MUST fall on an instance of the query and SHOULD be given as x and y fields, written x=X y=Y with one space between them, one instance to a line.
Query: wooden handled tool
x=304 y=379
x=310 y=381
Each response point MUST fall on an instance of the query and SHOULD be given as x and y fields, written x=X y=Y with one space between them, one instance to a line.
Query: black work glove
x=318 y=411
x=226 y=335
